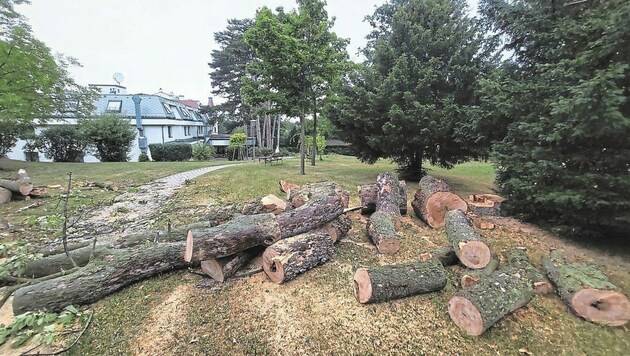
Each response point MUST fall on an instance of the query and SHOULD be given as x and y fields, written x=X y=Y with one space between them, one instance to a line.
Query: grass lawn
x=317 y=312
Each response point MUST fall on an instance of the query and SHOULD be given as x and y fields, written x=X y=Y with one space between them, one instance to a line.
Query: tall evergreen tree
x=565 y=160
x=415 y=98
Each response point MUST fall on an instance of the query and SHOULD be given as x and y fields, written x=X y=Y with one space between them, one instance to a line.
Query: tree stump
x=367 y=196
x=468 y=245
x=587 y=291
x=479 y=307
x=433 y=199
x=517 y=258
x=222 y=268
x=382 y=231
x=484 y=204
x=471 y=277
x=288 y=258
x=5 y=195
x=383 y=283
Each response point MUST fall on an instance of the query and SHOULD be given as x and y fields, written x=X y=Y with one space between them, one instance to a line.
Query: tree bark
x=484 y=204
x=478 y=308
x=587 y=291
x=382 y=230
x=338 y=228
x=5 y=195
x=314 y=153
x=222 y=268
x=468 y=245
x=517 y=258
x=445 y=255
x=383 y=283
x=22 y=185
x=288 y=258
x=387 y=196
x=302 y=143
x=301 y=195
x=471 y=277
x=367 y=196
x=433 y=199
x=258 y=133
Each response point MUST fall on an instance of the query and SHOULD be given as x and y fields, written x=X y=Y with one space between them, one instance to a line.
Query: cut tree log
x=286 y=186
x=517 y=258
x=387 y=196
x=383 y=283
x=273 y=204
x=433 y=199
x=468 y=245
x=479 y=307
x=222 y=268
x=5 y=195
x=587 y=291
x=367 y=196
x=445 y=255
x=338 y=228
x=288 y=258
x=22 y=185
x=471 y=277
x=484 y=204
x=382 y=231
x=301 y=195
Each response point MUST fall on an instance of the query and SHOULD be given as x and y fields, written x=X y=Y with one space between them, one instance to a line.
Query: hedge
x=170 y=152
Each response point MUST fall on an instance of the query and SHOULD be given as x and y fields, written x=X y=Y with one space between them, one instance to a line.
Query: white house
x=158 y=118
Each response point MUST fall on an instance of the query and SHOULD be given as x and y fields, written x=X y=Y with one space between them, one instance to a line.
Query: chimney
x=210 y=102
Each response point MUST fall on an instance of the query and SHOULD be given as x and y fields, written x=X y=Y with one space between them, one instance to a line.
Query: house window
x=170 y=131
x=167 y=109
x=185 y=112
x=114 y=106
x=199 y=130
x=186 y=130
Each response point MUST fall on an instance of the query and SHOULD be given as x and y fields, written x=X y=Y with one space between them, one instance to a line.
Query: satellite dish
x=118 y=77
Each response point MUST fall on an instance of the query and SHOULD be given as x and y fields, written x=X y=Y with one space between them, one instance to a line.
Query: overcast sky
x=161 y=43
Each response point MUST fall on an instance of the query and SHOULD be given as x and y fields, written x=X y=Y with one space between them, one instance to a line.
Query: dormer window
x=114 y=106
x=167 y=109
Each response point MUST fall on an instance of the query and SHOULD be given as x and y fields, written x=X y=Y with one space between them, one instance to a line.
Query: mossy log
x=587 y=291
x=479 y=307
x=288 y=258
x=445 y=255
x=5 y=195
x=382 y=231
x=433 y=199
x=468 y=245
x=383 y=283
x=338 y=228
x=471 y=277
x=517 y=258
x=22 y=185
x=301 y=195
x=222 y=268
x=367 y=196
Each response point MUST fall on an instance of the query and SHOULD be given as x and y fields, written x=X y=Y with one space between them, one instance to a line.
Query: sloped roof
x=151 y=106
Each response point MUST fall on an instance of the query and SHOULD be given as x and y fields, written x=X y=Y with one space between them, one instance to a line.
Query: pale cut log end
x=272 y=267
x=543 y=287
x=475 y=254
x=189 y=247
x=332 y=232
x=362 y=285
x=468 y=281
x=273 y=204
x=600 y=306
x=389 y=246
x=213 y=269
x=425 y=256
x=465 y=315
x=439 y=203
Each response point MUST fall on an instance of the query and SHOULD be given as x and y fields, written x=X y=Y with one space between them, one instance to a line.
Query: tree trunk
x=387 y=196
x=382 y=230
x=222 y=268
x=314 y=151
x=302 y=143
x=5 y=195
x=471 y=277
x=338 y=228
x=587 y=291
x=484 y=204
x=258 y=133
x=517 y=258
x=468 y=245
x=383 y=283
x=368 y=192
x=22 y=185
x=288 y=258
x=433 y=199
x=446 y=256
x=478 y=308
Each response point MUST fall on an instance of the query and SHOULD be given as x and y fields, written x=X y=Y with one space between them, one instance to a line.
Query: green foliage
x=63 y=143
x=265 y=151
x=321 y=145
x=563 y=101
x=238 y=139
x=143 y=157
x=16 y=256
x=110 y=135
x=414 y=99
x=202 y=152
x=170 y=152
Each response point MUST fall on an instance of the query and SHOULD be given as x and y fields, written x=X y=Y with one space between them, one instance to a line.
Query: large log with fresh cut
x=368 y=193
x=383 y=283
x=468 y=245
x=286 y=187
x=222 y=268
x=5 y=195
x=484 y=204
x=433 y=199
x=387 y=196
x=301 y=195
x=479 y=307
x=22 y=185
x=587 y=291
x=517 y=258
x=338 y=228
x=272 y=204
x=382 y=231
x=471 y=277
x=288 y=258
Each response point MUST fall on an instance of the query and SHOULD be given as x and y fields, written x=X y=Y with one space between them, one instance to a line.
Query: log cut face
x=517 y=258
x=5 y=195
x=433 y=199
x=288 y=258
x=222 y=268
x=477 y=308
x=471 y=277
x=588 y=291
x=468 y=245
x=383 y=283
x=368 y=193
x=382 y=231
x=237 y=235
x=485 y=204
x=22 y=185
x=338 y=228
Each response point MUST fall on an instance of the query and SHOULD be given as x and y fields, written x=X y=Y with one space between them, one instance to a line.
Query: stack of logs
x=19 y=189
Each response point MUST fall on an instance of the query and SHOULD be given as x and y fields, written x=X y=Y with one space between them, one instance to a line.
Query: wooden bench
x=270 y=159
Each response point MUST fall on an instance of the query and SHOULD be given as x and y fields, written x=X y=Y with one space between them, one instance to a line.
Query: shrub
x=238 y=139
x=65 y=143
x=8 y=138
x=143 y=158
x=110 y=135
x=169 y=152
x=202 y=152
